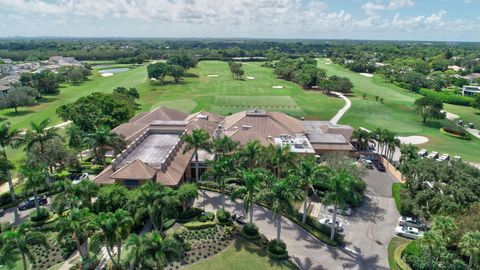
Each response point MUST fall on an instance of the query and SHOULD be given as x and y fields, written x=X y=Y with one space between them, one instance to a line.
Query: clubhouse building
x=155 y=149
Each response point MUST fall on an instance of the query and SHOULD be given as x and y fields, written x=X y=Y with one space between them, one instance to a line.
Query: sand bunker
x=213 y=75
x=106 y=74
x=250 y=78
x=277 y=87
x=413 y=139
x=369 y=75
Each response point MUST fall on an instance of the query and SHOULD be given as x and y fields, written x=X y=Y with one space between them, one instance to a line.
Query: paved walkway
x=343 y=110
x=368 y=231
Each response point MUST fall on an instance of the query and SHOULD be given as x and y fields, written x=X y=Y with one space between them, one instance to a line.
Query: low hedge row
x=446 y=98
x=197 y=225
x=188 y=215
x=169 y=223
x=398 y=257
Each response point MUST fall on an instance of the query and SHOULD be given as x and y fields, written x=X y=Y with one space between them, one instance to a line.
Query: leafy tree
x=470 y=246
x=56 y=155
x=414 y=79
x=9 y=137
x=250 y=189
x=78 y=223
x=186 y=193
x=23 y=240
x=197 y=140
x=102 y=139
x=408 y=152
x=39 y=135
x=158 y=71
x=176 y=72
x=154 y=250
x=130 y=95
x=429 y=107
x=75 y=138
x=111 y=230
x=19 y=97
x=341 y=84
x=44 y=82
x=476 y=102
x=76 y=76
x=110 y=198
x=183 y=59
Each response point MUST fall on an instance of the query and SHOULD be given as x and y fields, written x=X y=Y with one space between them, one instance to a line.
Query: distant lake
x=114 y=70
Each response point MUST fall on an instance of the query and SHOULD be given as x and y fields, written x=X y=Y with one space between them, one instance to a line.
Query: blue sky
x=445 y=20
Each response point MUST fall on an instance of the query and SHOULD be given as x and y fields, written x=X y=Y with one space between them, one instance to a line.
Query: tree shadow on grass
x=47 y=99
x=433 y=124
x=19 y=113
x=190 y=75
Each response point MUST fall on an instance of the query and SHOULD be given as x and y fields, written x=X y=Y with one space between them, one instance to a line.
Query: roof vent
x=246 y=127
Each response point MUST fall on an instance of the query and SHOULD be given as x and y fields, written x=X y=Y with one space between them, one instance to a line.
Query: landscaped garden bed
x=455 y=133
x=54 y=253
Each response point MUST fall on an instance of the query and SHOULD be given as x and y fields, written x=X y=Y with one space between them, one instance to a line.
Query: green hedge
x=446 y=98
x=397 y=189
x=169 y=223
x=466 y=137
x=197 y=225
x=398 y=257
x=188 y=215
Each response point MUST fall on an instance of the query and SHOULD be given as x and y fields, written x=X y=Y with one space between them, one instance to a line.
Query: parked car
x=30 y=202
x=239 y=218
x=422 y=153
x=80 y=177
x=328 y=222
x=2 y=212
x=367 y=162
x=411 y=222
x=344 y=212
x=408 y=232
x=378 y=165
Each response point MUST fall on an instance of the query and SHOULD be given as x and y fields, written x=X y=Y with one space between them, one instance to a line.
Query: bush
x=277 y=250
x=5 y=198
x=188 y=215
x=402 y=206
x=223 y=216
x=67 y=246
x=250 y=229
x=169 y=223
x=187 y=246
x=40 y=215
x=446 y=98
x=196 y=225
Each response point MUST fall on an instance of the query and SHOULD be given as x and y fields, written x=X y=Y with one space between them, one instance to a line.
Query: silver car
x=411 y=222
x=408 y=232
x=341 y=211
x=329 y=222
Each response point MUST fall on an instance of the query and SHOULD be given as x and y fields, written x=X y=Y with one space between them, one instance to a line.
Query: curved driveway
x=367 y=232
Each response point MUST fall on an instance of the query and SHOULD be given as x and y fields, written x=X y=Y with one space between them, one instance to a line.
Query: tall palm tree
x=470 y=246
x=198 y=140
x=39 y=134
x=23 y=240
x=250 y=153
x=9 y=137
x=186 y=193
x=250 y=189
x=65 y=197
x=224 y=146
x=75 y=138
x=78 y=224
x=112 y=229
x=281 y=194
x=221 y=168
x=154 y=250
x=34 y=179
x=280 y=159
x=101 y=139
x=431 y=240
x=156 y=201
x=446 y=229
x=85 y=192
x=362 y=138
x=307 y=173
x=338 y=191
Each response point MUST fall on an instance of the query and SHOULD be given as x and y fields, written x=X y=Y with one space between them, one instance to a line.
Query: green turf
x=397 y=113
x=242 y=255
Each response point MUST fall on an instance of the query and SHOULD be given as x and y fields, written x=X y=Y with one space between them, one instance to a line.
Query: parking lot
x=9 y=213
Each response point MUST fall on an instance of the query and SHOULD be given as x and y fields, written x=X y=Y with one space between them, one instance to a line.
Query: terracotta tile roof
x=233 y=119
x=162 y=113
x=198 y=123
x=130 y=131
x=135 y=170
x=173 y=175
x=211 y=116
x=138 y=116
x=105 y=176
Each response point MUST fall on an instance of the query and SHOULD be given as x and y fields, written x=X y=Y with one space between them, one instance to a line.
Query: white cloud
x=371 y=8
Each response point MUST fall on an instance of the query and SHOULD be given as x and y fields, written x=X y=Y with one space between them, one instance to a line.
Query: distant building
x=470 y=90
x=6 y=83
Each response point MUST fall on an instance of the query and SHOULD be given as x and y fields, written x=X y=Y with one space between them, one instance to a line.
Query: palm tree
x=154 y=250
x=250 y=189
x=281 y=194
x=112 y=229
x=23 y=240
x=445 y=228
x=221 y=168
x=186 y=193
x=156 y=201
x=198 y=140
x=65 y=198
x=470 y=246
x=34 y=179
x=9 y=137
x=307 y=174
x=408 y=153
x=101 y=139
x=224 y=146
x=85 y=191
x=39 y=135
x=362 y=138
x=75 y=138
x=338 y=191
x=431 y=240
x=250 y=153
x=78 y=224
x=281 y=159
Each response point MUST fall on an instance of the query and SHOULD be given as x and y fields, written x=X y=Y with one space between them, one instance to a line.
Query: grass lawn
x=392 y=246
x=17 y=264
x=397 y=113
x=241 y=255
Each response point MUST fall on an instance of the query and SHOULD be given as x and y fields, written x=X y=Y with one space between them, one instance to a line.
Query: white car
x=368 y=163
x=411 y=222
x=408 y=232
x=328 y=222
x=344 y=212
x=79 y=178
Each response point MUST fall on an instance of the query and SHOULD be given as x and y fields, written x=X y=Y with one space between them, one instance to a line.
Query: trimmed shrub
x=196 y=225
x=223 y=216
x=5 y=198
x=250 y=229
x=277 y=250
x=187 y=246
x=40 y=215
x=169 y=223
x=188 y=215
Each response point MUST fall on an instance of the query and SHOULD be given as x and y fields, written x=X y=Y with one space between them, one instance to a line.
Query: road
x=367 y=234
x=23 y=214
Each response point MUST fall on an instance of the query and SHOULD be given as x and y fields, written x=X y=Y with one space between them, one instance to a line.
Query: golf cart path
x=363 y=250
x=343 y=110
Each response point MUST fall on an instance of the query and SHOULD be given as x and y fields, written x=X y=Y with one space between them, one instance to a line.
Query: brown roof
x=105 y=176
x=130 y=131
x=135 y=170
x=198 y=123
x=173 y=175
x=211 y=116
x=138 y=116
x=332 y=147
x=162 y=113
